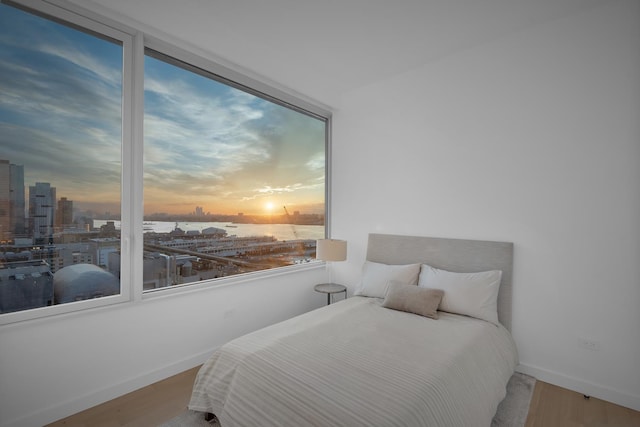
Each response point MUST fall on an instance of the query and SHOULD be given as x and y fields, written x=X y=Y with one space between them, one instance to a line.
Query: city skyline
x=206 y=144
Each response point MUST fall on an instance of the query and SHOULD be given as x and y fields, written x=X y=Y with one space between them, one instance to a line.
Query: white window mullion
x=134 y=167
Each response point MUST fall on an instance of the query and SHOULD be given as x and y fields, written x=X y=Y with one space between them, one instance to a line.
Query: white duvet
x=355 y=363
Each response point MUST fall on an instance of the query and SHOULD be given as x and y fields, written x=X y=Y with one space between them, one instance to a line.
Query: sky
x=206 y=144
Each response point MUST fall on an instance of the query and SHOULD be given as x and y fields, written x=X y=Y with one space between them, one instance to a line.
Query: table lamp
x=331 y=250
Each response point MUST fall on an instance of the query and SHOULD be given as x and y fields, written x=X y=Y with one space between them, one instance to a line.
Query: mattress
x=355 y=363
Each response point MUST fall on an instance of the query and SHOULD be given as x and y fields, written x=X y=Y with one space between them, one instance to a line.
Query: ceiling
x=325 y=48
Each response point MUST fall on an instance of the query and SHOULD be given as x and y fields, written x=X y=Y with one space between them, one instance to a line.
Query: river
x=279 y=231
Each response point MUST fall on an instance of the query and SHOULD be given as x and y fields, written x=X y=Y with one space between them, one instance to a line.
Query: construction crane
x=293 y=227
x=300 y=244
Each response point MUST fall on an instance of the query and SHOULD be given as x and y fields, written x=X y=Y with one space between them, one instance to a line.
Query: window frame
x=210 y=69
x=84 y=22
x=134 y=43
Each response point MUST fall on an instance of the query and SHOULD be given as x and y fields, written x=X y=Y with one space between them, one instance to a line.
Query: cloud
x=206 y=143
x=232 y=140
x=60 y=109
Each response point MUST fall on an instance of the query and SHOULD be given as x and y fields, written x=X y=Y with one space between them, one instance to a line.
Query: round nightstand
x=330 y=289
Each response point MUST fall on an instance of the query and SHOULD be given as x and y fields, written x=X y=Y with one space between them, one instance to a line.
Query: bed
x=362 y=362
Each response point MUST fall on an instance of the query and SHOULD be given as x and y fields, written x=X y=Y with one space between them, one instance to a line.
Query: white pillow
x=470 y=294
x=376 y=277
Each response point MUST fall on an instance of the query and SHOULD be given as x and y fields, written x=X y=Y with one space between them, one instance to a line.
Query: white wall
x=54 y=367
x=534 y=139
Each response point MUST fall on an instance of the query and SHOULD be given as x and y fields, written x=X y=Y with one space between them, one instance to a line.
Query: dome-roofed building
x=83 y=281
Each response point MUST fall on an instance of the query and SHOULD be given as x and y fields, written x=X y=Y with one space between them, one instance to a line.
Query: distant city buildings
x=25 y=285
x=12 y=202
x=5 y=204
x=17 y=200
x=51 y=255
x=42 y=201
x=64 y=214
x=102 y=247
x=41 y=244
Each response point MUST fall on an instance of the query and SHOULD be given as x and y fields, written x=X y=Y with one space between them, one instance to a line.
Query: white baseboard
x=53 y=413
x=581 y=386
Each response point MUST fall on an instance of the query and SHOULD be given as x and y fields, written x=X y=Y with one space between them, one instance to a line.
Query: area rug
x=512 y=411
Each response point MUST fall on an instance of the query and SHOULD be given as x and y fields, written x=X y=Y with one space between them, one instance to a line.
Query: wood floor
x=149 y=406
x=551 y=406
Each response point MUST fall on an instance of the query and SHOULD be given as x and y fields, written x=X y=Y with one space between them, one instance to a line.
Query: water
x=279 y=231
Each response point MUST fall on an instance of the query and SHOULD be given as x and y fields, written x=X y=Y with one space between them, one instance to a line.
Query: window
x=234 y=181
x=60 y=161
x=233 y=172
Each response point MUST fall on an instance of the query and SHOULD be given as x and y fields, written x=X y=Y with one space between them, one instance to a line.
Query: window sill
x=229 y=281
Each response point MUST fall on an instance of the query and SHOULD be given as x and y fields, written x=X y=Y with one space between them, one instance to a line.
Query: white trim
x=88 y=306
x=85 y=12
x=77 y=15
x=127 y=138
x=136 y=202
x=328 y=160
x=234 y=280
x=582 y=386
x=8 y=319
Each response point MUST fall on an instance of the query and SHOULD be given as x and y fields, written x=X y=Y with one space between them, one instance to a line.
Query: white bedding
x=355 y=363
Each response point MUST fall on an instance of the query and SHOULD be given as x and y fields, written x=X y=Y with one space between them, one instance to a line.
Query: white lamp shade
x=331 y=250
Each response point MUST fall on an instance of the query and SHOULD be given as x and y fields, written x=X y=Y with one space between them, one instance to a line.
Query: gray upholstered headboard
x=464 y=256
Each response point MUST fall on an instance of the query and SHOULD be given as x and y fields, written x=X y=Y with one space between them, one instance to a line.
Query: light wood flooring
x=551 y=406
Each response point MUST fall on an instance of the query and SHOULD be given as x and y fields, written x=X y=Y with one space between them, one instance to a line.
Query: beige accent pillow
x=412 y=299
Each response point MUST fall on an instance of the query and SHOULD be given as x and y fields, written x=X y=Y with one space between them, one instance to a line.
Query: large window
x=231 y=172
x=60 y=161
x=233 y=182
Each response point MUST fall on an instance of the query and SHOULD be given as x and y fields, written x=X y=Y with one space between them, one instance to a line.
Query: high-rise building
x=12 y=202
x=42 y=199
x=64 y=215
x=5 y=206
x=17 y=200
